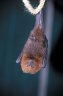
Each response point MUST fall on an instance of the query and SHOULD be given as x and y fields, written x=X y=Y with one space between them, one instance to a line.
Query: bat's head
x=31 y=65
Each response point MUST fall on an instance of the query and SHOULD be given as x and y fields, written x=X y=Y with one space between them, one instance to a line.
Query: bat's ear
x=19 y=58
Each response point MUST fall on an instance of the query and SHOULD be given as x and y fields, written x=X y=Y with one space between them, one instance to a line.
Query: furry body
x=34 y=51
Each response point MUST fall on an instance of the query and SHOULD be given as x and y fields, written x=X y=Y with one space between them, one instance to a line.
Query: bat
x=34 y=54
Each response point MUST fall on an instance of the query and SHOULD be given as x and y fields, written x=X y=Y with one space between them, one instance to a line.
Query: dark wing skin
x=46 y=52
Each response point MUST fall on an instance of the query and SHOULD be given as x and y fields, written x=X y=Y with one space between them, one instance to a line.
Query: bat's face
x=31 y=65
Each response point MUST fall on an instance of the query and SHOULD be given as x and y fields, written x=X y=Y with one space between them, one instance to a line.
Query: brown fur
x=34 y=50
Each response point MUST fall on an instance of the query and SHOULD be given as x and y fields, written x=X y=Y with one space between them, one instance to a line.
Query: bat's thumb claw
x=18 y=60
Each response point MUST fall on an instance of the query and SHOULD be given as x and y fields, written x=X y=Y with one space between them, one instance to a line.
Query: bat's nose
x=31 y=63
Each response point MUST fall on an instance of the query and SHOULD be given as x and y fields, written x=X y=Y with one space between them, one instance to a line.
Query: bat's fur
x=34 y=51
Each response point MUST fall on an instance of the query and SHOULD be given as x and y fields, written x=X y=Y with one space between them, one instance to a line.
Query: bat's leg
x=39 y=20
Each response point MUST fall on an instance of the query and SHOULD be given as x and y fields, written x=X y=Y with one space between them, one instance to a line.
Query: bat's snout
x=31 y=63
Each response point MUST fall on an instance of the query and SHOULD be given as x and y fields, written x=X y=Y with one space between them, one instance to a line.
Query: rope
x=32 y=10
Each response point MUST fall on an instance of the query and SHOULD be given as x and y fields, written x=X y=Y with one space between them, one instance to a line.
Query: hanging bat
x=34 y=54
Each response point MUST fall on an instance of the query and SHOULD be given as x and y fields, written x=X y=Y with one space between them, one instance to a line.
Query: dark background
x=15 y=26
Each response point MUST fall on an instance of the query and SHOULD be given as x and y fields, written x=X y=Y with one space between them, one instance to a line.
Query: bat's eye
x=33 y=37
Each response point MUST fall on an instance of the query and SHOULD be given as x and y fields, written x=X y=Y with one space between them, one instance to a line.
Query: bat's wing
x=44 y=61
x=19 y=58
x=46 y=54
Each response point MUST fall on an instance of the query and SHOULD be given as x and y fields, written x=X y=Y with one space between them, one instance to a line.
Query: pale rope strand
x=32 y=10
